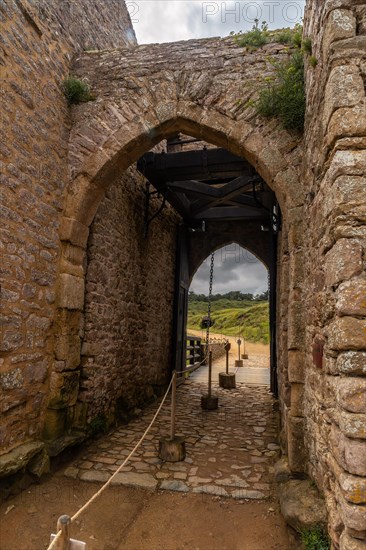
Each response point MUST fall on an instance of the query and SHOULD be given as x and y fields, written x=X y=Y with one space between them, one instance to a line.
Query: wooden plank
x=231 y=213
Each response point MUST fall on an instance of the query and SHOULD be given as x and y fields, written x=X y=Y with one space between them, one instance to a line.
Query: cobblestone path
x=230 y=451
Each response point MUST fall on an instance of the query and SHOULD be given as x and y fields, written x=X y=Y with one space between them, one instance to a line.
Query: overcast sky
x=234 y=269
x=171 y=20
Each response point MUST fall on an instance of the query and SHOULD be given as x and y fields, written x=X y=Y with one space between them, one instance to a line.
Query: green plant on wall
x=254 y=38
x=284 y=96
x=315 y=539
x=76 y=91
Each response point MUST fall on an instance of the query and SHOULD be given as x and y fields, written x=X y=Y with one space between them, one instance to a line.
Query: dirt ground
x=259 y=353
x=130 y=519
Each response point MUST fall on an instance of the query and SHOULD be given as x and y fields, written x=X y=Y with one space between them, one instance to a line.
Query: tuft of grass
x=313 y=61
x=315 y=539
x=76 y=91
x=307 y=46
x=254 y=38
x=285 y=36
x=284 y=98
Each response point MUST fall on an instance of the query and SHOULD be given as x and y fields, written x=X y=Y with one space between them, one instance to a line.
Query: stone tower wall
x=38 y=41
x=332 y=374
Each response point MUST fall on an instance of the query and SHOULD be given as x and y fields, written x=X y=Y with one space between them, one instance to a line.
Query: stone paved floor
x=230 y=451
x=247 y=375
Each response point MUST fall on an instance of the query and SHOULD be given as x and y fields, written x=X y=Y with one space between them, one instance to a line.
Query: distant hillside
x=250 y=317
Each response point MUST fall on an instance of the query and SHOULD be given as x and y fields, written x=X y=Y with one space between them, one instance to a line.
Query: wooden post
x=238 y=362
x=209 y=402
x=226 y=379
x=173 y=405
x=63 y=525
x=172 y=448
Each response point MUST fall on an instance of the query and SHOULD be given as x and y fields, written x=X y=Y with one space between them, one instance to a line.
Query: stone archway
x=135 y=109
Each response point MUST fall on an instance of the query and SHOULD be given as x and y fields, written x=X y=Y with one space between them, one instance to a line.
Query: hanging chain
x=209 y=302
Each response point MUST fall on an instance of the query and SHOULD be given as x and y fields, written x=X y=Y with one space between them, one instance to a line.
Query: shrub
x=76 y=91
x=313 y=61
x=255 y=38
x=307 y=46
x=315 y=539
x=284 y=97
x=284 y=36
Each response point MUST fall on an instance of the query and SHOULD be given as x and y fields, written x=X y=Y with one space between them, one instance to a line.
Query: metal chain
x=209 y=302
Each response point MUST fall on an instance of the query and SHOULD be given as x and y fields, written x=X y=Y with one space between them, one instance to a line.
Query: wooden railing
x=194 y=354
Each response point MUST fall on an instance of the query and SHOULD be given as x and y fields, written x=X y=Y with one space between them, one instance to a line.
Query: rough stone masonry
x=81 y=288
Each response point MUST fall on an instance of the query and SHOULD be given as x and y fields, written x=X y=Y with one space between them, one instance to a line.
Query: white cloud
x=172 y=20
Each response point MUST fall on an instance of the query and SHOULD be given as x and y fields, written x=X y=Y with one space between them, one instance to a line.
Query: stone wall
x=126 y=351
x=333 y=373
x=37 y=42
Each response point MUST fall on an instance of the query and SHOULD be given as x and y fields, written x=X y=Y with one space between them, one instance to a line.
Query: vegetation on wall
x=76 y=91
x=315 y=539
x=283 y=95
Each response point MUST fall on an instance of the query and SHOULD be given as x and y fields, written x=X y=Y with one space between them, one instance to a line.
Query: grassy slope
x=229 y=315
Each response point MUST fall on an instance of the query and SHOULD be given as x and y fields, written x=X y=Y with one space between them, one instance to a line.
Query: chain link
x=209 y=302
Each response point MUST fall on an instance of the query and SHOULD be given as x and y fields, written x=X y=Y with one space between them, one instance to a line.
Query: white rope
x=107 y=483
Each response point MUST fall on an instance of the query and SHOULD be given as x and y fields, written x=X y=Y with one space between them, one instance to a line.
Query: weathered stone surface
x=347 y=122
x=173 y=485
x=341 y=24
x=94 y=475
x=347 y=333
x=296 y=366
x=11 y=380
x=352 y=425
x=56 y=446
x=301 y=504
x=73 y=231
x=297 y=397
x=64 y=389
x=54 y=424
x=353 y=488
x=343 y=261
x=353 y=515
x=350 y=543
x=40 y=464
x=131 y=479
x=349 y=453
x=296 y=445
x=282 y=471
x=19 y=457
x=351 y=394
x=344 y=89
x=352 y=363
x=71 y=292
x=351 y=298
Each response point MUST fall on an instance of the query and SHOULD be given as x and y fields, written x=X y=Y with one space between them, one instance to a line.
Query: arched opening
x=102 y=173
x=239 y=310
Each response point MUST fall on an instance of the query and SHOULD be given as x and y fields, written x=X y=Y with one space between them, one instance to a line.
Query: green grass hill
x=251 y=318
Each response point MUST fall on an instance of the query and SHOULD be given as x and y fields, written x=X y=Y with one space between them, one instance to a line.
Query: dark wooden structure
x=205 y=186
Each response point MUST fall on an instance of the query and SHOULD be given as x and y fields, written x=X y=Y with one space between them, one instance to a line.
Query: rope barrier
x=53 y=544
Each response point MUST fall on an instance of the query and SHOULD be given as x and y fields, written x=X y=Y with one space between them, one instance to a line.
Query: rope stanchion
x=56 y=541
x=173 y=448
